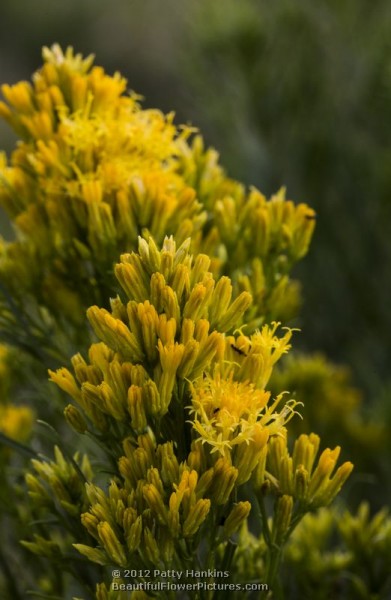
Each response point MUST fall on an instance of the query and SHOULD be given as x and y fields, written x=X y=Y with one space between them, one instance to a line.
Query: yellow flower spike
x=6 y=114
x=59 y=489
x=236 y=518
x=125 y=467
x=153 y=477
x=336 y=483
x=43 y=547
x=173 y=519
x=220 y=301
x=323 y=470
x=303 y=232
x=196 y=459
x=36 y=490
x=166 y=264
x=135 y=467
x=210 y=347
x=166 y=329
x=131 y=281
x=78 y=92
x=259 y=472
x=196 y=517
x=101 y=592
x=115 y=495
x=138 y=375
x=147 y=445
x=115 y=333
x=95 y=494
x=262 y=231
x=181 y=281
x=166 y=545
x=127 y=227
x=225 y=477
x=133 y=537
x=165 y=297
x=235 y=312
x=169 y=467
x=118 y=376
x=187 y=331
x=266 y=350
x=190 y=355
x=112 y=403
x=102 y=513
x=149 y=253
x=198 y=300
x=150 y=547
x=152 y=398
x=111 y=544
x=91 y=398
x=301 y=483
x=56 y=96
x=129 y=517
x=80 y=367
x=90 y=522
x=200 y=267
x=93 y=554
x=39 y=125
x=278 y=451
x=136 y=408
x=286 y=475
x=305 y=450
x=65 y=381
x=225 y=211
x=282 y=518
x=201 y=331
x=170 y=359
x=149 y=322
x=155 y=502
x=92 y=192
x=75 y=419
x=297 y=476
x=19 y=96
x=101 y=228
x=248 y=455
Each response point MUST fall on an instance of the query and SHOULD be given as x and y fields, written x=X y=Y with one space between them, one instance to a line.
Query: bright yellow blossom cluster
x=16 y=421
x=164 y=360
x=94 y=171
x=298 y=475
x=186 y=276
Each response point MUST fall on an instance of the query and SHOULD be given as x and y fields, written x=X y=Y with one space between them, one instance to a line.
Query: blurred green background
x=290 y=93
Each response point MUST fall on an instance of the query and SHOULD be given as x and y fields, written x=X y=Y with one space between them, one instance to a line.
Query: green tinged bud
x=282 y=518
x=111 y=544
x=75 y=419
x=93 y=554
x=196 y=517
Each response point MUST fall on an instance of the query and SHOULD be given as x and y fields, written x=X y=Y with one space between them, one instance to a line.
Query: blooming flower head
x=228 y=413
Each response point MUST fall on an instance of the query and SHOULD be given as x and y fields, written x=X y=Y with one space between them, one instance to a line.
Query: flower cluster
x=313 y=483
x=334 y=548
x=164 y=360
x=94 y=171
x=172 y=398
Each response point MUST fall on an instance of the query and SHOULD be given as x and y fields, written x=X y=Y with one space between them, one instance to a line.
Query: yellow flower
x=16 y=422
x=228 y=413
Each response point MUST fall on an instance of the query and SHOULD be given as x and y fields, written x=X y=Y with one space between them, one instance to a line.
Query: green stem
x=10 y=578
x=275 y=555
